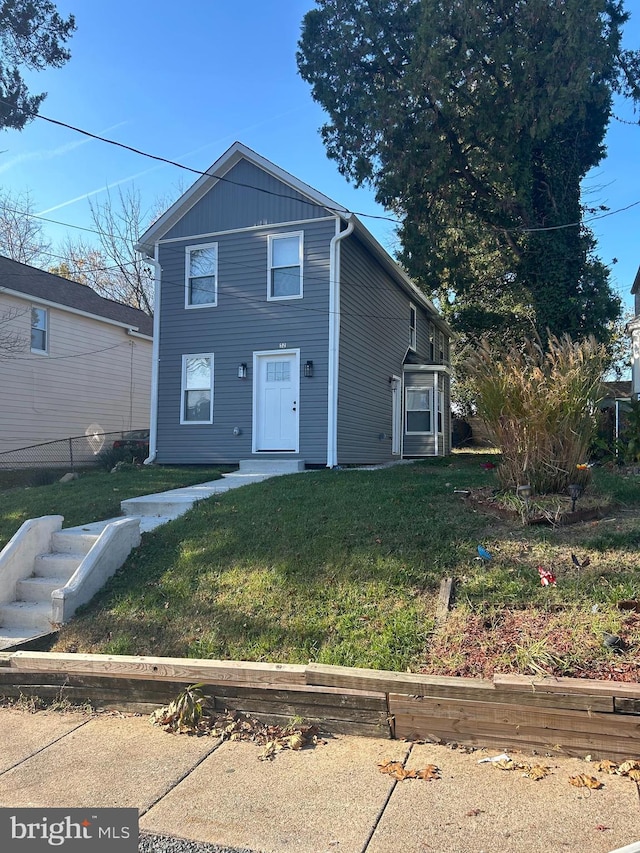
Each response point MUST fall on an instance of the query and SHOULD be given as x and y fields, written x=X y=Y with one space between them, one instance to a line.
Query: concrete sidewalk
x=329 y=799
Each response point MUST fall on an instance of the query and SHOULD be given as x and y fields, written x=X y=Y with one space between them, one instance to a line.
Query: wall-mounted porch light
x=242 y=370
x=308 y=369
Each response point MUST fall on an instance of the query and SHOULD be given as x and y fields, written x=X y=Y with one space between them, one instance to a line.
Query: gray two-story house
x=284 y=330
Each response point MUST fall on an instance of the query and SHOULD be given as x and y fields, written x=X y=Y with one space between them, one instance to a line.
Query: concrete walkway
x=161 y=507
x=328 y=799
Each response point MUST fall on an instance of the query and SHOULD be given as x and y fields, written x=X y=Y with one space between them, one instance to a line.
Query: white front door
x=276 y=401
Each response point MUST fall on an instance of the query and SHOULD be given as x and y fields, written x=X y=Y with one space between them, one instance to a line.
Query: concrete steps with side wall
x=46 y=572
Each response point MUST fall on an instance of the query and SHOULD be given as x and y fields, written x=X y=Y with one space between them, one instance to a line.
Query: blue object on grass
x=484 y=553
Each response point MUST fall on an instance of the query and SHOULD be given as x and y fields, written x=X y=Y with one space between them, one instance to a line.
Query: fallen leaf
x=584 y=781
x=505 y=764
x=393 y=768
x=627 y=766
x=296 y=741
x=429 y=772
x=634 y=774
x=607 y=766
x=269 y=751
x=397 y=771
x=536 y=772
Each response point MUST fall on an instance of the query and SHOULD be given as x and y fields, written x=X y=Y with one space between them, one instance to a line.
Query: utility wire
x=200 y=173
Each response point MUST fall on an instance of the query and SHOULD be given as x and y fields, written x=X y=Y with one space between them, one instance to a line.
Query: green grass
x=344 y=567
x=96 y=495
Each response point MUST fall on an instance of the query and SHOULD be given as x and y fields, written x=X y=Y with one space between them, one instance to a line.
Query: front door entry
x=276 y=401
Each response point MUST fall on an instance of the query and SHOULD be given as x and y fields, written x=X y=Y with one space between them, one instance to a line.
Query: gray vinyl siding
x=374 y=337
x=243 y=322
x=248 y=196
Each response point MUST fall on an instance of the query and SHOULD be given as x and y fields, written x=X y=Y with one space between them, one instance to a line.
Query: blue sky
x=185 y=80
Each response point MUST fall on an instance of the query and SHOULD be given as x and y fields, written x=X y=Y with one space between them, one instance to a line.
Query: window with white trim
x=197 y=389
x=413 y=327
x=201 y=287
x=440 y=409
x=39 y=329
x=418 y=410
x=285 y=266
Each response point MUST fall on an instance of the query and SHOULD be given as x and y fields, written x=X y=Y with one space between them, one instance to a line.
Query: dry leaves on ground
x=396 y=770
x=630 y=768
x=235 y=726
x=530 y=771
x=584 y=781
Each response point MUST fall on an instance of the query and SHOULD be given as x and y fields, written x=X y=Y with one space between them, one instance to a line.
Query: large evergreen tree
x=476 y=121
x=32 y=37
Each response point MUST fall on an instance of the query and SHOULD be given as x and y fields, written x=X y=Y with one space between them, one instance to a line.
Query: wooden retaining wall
x=559 y=715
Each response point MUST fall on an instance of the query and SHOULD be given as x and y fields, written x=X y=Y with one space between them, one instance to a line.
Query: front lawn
x=344 y=567
x=94 y=496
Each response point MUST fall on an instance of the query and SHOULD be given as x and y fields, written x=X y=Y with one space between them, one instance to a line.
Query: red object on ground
x=546 y=578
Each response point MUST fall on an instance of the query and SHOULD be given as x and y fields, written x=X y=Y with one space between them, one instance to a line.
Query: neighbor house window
x=39 y=329
x=413 y=326
x=202 y=276
x=285 y=266
x=418 y=410
x=197 y=389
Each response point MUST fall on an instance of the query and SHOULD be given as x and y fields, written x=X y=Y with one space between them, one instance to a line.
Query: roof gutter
x=155 y=359
x=334 y=340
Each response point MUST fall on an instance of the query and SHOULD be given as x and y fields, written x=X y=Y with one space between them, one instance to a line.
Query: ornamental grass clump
x=539 y=406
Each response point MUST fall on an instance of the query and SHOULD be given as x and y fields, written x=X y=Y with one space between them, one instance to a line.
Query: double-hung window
x=201 y=288
x=285 y=266
x=418 y=408
x=413 y=327
x=39 y=330
x=440 y=409
x=197 y=389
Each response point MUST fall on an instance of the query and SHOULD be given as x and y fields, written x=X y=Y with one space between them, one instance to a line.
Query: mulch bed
x=555 y=509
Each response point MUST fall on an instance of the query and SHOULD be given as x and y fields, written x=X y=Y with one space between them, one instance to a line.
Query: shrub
x=111 y=456
x=540 y=408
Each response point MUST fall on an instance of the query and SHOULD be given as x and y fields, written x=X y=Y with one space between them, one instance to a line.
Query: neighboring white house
x=71 y=362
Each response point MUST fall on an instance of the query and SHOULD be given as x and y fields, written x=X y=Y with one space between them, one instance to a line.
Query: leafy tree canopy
x=32 y=37
x=476 y=121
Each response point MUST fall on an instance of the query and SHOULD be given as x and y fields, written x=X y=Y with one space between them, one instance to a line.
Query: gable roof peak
x=217 y=172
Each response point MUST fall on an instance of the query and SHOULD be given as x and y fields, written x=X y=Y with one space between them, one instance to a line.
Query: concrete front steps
x=30 y=614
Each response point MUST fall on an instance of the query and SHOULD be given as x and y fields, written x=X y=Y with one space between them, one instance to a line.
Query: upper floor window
x=285 y=266
x=202 y=276
x=39 y=329
x=197 y=389
x=413 y=327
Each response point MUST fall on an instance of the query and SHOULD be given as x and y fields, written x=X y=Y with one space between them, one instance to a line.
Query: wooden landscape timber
x=563 y=716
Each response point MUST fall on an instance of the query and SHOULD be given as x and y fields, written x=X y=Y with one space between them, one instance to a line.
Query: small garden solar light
x=574 y=490
x=524 y=492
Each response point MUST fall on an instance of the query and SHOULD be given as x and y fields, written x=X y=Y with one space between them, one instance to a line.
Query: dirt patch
x=534 y=642
x=555 y=510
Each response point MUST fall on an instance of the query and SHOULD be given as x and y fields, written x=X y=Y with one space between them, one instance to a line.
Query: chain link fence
x=81 y=451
